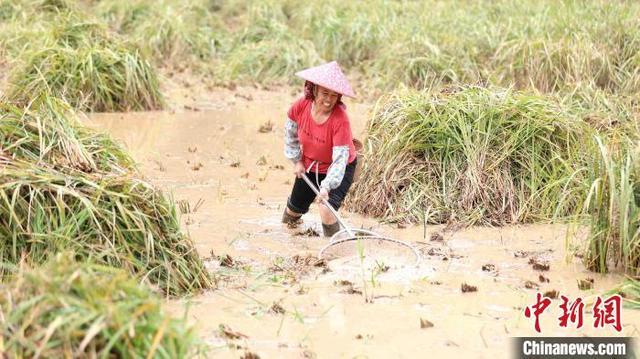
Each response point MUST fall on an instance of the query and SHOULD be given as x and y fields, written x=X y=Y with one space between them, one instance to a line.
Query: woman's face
x=325 y=98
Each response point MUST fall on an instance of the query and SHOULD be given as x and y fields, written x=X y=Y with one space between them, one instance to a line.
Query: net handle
x=326 y=203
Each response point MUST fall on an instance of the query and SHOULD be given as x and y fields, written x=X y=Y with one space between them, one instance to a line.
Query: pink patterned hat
x=330 y=76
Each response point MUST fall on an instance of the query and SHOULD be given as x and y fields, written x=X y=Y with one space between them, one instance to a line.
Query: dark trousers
x=302 y=195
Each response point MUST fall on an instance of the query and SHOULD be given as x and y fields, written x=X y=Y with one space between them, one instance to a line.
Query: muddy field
x=220 y=154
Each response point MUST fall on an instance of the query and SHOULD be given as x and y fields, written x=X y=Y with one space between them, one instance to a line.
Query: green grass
x=549 y=46
x=630 y=289
x=90 y=67
x=172 y=33
x=472 y=155
x=63 y=188
x=73 y=309
x=613 y=207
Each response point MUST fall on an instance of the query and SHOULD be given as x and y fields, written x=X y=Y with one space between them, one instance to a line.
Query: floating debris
x=539 y=264
x=437 y=237
x=585 y=284
x=301 y=290
x=309 y=232
x=531 y=285
x=227 y=261
x=294 y=224
x=298 y=265
x=351 y=290
x=553 y=294
x=266 y=127
x=228 y=333
x=520 y=254
x=489 y=268
x=425 y=324
x=236 y=164
x=276 y=308
x=261 y=161
x=186 y=208
x=466 y=288
x=250 y=355
x=191 y=108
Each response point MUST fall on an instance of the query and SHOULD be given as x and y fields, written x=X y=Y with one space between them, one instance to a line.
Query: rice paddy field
x=142 y=176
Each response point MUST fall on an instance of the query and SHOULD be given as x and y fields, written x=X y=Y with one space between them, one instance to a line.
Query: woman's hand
x=298 y=169
x=323 y=194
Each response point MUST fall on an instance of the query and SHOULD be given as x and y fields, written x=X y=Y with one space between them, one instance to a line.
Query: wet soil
x=220 y=154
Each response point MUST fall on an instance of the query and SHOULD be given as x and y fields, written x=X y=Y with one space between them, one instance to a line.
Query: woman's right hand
x=298 y=169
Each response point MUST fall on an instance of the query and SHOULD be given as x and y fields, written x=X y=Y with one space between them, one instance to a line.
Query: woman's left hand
x=323 y=194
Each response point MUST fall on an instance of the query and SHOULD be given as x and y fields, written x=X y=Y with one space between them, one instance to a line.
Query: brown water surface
x=236 y=178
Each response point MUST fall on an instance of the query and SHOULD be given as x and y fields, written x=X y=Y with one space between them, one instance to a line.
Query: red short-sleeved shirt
x=317 y=141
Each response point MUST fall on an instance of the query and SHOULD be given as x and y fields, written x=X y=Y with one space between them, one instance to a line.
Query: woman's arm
x=335 y=174
x=291 y=141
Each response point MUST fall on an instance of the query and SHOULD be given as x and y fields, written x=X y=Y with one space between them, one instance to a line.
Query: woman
x=318 y=141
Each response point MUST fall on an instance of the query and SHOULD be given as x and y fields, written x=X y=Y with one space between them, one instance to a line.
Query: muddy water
x=231 y=175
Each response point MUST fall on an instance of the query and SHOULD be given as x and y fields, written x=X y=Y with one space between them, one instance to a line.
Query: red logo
x=605 y=312
x=538 y=309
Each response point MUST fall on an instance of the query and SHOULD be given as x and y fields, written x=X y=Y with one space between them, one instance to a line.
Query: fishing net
x=369 y=250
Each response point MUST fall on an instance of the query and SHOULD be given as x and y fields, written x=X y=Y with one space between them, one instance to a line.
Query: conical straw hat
x=330 y=76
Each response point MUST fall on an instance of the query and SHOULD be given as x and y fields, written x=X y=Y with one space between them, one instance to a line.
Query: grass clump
x=472 y=155
x=265 y=52
x=71 y=309
x=62 y=188
x=613 y=208
x=88 y=66
x=169 y=32
x=630 y=290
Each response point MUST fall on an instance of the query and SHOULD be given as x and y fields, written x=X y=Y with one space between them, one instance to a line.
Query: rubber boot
x=289 y=219
x=330 y=229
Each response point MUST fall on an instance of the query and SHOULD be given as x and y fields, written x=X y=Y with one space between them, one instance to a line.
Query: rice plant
x=91 y=68
x=471 y=155
x=48 y=132
x=630 y=290
x=550 y=46
x=73 y=309
x=62 y=188
x=266 y=52
x=613 y=205
x=168 y=32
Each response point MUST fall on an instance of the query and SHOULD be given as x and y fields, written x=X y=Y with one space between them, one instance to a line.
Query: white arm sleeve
x=291 y=141
x=335 y=174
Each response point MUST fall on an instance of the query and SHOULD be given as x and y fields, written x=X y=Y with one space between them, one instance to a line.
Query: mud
x=281 y=303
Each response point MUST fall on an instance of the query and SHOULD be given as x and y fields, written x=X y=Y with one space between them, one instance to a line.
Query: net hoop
x=366 y=234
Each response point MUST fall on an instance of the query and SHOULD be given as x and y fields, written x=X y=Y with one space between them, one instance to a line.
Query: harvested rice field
x=143 y=178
